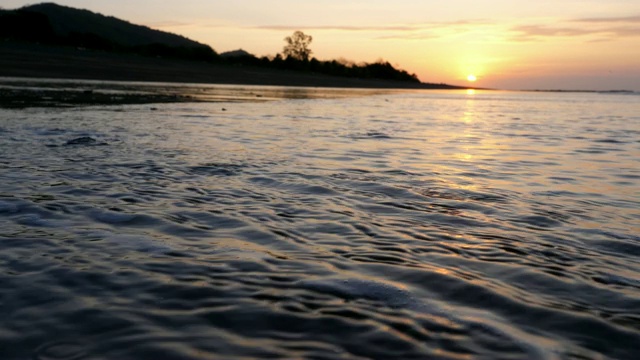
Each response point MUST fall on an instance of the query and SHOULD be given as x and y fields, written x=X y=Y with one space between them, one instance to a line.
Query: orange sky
x=516 y=44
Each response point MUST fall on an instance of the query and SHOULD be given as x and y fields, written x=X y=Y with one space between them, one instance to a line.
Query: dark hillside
x=27 y=26
x=67 y=21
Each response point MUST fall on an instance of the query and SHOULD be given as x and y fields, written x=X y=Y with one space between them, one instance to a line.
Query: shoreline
x=20 y=93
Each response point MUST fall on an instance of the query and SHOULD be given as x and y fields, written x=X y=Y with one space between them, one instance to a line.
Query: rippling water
x=406 y=225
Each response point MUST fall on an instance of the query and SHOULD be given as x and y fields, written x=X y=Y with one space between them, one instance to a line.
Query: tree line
x=34 y=27
x=296 y=55
x=381 y=69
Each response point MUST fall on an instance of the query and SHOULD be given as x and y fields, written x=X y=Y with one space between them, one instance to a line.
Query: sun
x=472 y=78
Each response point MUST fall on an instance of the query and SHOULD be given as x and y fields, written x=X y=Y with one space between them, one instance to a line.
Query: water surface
x=400 y=225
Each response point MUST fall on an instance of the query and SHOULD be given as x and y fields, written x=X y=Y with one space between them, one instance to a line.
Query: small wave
x=352 y=288
x=34 y=220
x=8 y=207
x=464 y=195
x=370 y=135
x=85 y=141
x=611 y=279
x=610 y=141
x=538 y=221
x=216 y=169
x=140 y=243
x=121 y=218
x=64 y=350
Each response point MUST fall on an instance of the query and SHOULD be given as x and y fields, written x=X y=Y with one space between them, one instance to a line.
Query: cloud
x=415 y=31
x=213 y=24
x=532 y=32
x=609 y=20
x=168 y=24
x=335 y=27
x=601 y=28
x=379 y=28
x=415 y=36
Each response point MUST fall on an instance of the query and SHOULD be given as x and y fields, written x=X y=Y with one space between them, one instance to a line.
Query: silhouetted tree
x=298 y=46
x=277 y=62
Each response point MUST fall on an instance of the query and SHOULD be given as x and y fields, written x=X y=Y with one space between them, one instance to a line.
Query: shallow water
x=407 y=225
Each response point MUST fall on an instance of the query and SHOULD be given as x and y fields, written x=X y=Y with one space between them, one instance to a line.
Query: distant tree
x=277 y=62
x=345 y=62
x=298 y=46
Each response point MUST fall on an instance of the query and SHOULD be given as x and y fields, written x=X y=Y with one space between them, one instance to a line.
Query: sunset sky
x=511 y=44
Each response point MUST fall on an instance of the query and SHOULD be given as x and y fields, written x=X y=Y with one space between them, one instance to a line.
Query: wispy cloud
x=591 y=29
x=167 y=24
x=415 y=31
x=336 y=27
x=532 y=32
x=400 y=28
x=213 y=24
x=410 y=36
x=609 y=20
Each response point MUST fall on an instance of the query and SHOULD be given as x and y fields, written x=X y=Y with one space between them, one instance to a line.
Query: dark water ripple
x=432 y=225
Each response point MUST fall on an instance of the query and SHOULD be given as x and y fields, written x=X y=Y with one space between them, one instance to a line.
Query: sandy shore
x=35 y=61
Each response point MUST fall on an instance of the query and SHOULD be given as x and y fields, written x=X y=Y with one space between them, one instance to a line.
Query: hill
x=54 y=24
x=67 y=21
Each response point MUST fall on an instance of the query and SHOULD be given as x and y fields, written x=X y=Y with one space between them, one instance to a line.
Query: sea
x=304 y=223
